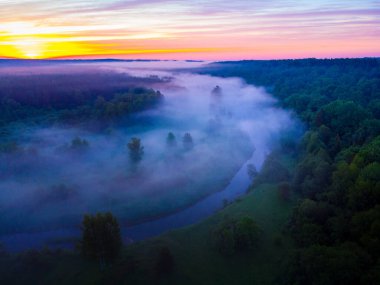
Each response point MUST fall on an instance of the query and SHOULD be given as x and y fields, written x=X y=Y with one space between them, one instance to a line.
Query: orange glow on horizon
x=160 y=29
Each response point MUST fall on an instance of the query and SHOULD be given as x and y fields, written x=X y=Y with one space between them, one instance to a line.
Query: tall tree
x=171 y=140
x=78 y=144
x=165 y=262
x=187 y=141
x=136 y=150
x=101 y=238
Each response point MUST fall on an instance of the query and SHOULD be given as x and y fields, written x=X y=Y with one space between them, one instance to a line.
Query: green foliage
x=101 y=238
x=336 y=224
x=68 y=105
x=125 y=103
x=309 y=221
x=338 y=173
x=314 y=169
x=225 y=238
x=246 y=234
x=233 y=236
x=323 y=265
x=375 y=108
x=273 y=171
x=28 y=267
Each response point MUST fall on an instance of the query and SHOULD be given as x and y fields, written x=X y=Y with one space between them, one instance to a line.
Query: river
x=65 y=238
x=189 y=105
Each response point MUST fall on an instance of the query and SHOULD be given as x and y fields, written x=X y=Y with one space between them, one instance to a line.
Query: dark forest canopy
x=336 y=223
x=309 y=83
x=74 y=98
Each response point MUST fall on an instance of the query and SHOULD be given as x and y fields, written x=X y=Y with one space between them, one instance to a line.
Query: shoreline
x=15 y=242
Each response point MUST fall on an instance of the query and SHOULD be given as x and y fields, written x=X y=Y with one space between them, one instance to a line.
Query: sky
x=196 y=29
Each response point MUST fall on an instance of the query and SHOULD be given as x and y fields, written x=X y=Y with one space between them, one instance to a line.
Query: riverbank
x=196 y=260
x=155 y=225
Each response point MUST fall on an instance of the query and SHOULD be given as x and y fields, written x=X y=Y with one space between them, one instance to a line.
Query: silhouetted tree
x=79 y=144
x=233 y=235
x=136 y=150
x=246 y=234
x=217 y=91
x=171 y=140
x=101 y=238
x=165 y=261
x=187 y=141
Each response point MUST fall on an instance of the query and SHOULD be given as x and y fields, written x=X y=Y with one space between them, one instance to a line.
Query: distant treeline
x=336 y=224
x=70 y=98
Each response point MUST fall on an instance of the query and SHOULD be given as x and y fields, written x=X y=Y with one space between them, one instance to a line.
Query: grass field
x=198 y=262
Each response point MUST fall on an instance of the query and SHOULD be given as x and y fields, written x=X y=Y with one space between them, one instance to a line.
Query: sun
x=29 y=47
x=32 y=55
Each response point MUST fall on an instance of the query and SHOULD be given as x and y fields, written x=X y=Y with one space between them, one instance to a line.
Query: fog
x=48 y=185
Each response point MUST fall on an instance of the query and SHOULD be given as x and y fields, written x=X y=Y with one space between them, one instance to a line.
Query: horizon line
x=187 y=60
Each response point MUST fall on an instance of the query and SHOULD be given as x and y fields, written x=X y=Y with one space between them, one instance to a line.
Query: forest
x=69 y=98
x=336 y=222
x=312 y=210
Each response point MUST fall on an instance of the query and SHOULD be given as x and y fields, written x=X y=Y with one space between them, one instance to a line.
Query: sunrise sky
x=197 y=29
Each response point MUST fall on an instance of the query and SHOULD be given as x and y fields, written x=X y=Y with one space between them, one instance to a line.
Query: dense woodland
x=90 y=100
x=334 y=227
x=74 y=98
x=336 y=223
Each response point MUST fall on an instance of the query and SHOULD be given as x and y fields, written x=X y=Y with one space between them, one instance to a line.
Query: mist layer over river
x=48 y=189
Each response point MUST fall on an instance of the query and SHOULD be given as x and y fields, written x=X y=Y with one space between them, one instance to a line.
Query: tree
x=236 y=235
x=171 y=140
x=225 y=239
x=187 y=141
x=217 y=91
x=272 y=171
x=317 y=264
x=101 y=238
x=246 y=234
x=165 y=261
x=78 y=144
x=136 y=150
